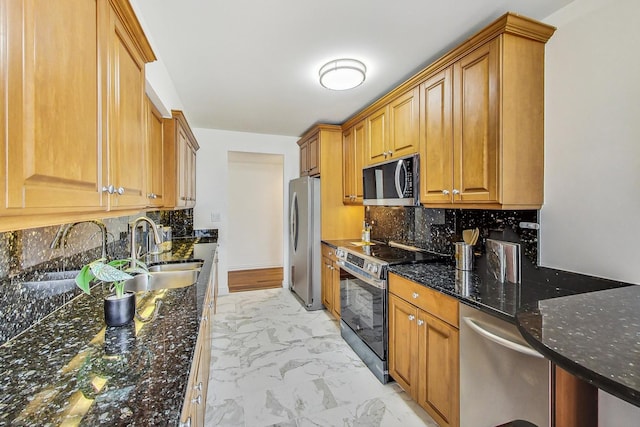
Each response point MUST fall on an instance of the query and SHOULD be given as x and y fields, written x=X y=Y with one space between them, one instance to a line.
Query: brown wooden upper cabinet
x=309 y=156
x=481 y=124
x=392 y=130
x=66 y=137
x=127 y=173
x=475 y=116
x=155 y=150
x=180 y=148
x=353 y=140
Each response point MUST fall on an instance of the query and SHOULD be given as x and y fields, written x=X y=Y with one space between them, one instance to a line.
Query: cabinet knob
x=411 y=317
x=120 y=191
x=445 y=192
x=420 y=322
x=390 y=152
x=186 y=423
x=198 y=387
x=415 y=295
x=110 y=189
x=197 y=400
x=455 y=191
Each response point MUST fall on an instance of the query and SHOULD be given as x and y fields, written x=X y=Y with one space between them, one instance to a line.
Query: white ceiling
x=252 y=65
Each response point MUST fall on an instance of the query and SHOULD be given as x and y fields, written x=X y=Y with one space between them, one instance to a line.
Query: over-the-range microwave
x=392 y=183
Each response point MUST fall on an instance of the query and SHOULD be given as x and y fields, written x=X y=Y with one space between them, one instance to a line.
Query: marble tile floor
x=275 y=364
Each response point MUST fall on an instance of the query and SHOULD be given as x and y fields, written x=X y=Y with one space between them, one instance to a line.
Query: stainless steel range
x=363 y=298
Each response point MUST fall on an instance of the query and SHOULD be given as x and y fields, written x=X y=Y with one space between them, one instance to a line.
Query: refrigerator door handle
x=293 y=222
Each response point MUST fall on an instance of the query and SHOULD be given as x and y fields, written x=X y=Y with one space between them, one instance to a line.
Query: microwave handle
x=399 y=166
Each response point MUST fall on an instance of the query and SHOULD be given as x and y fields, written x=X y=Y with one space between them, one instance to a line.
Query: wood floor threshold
x=255 y=279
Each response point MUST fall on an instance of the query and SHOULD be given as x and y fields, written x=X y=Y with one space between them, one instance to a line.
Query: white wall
x=589 y=221
x=159 y=86
x=256 y=219
x=592 y=158
x=212 y=183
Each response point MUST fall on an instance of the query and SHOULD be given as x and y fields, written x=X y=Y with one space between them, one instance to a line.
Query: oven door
x=363 y=307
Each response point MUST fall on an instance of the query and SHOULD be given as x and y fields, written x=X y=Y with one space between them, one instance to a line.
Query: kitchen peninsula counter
x=595 y=336
x=588 y=326
x=70 y=368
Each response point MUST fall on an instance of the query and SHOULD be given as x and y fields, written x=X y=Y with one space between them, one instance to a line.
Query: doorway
x=255 y=247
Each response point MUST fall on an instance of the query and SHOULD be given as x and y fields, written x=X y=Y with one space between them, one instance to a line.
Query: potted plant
x=120 y=306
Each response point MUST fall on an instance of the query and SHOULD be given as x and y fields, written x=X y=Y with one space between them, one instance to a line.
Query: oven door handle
x=370 y=280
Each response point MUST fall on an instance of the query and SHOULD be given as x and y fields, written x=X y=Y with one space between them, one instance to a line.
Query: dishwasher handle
x=500 y=340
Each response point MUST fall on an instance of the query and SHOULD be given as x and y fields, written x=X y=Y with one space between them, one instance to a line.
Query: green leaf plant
x=114 y=273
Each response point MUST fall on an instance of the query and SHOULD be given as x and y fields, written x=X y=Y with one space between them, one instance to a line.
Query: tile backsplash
x=26 y=255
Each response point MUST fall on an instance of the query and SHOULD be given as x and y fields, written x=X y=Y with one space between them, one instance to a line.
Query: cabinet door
x=184 y=157
x=304 y=159
x=403 y=344
x=352 y=156
x=436 y=139
x=327 y=283
x=476 y=78
x=438 y=365
x=191 y=176
x=314 y=156
x=348 y=146
x=404 y=121
x=51 y=107
x=155 y=174
x=127 y=146
x=359 y=138
x=335 y=283
x=377 y=132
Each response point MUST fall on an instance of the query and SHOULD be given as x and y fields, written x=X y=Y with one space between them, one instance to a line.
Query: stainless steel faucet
x=60 y=239
x=134 y=224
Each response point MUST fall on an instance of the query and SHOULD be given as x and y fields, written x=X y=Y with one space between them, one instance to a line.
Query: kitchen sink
x=194 y=264
x=163 y=279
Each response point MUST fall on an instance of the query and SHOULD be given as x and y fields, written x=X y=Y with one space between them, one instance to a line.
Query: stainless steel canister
x=464 y=256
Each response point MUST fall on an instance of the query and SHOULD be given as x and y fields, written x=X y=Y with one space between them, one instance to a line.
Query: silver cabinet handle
x=420 y=322
x=456 y=191
x=445 y=192
x=390 y=152
x=198 y=387
x=415 y=295
x=109 y=189
x=411 y=317
x=197 y=400
x=120 y=191
x=186 y=423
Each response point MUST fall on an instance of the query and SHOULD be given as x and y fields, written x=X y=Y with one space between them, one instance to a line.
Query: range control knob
x=374 y=269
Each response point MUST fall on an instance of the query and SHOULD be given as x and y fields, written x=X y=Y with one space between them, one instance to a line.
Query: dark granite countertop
x=499 y=299
x=595 y=336
x=586 y=325
x=70 y=368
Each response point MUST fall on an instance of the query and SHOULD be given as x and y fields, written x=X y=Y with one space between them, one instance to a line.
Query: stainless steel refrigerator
x=304 y=241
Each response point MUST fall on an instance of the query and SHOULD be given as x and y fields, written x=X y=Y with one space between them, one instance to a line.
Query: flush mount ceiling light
x=342 y=74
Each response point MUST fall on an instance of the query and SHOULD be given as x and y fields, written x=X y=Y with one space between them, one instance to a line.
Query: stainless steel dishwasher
x=501 y=377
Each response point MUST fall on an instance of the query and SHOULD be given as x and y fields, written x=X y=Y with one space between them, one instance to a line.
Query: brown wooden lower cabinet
x=330 y=281
x=424 y=348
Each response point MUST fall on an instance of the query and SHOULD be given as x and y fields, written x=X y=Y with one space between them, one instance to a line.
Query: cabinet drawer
x=329 y=252
x=429 y=300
